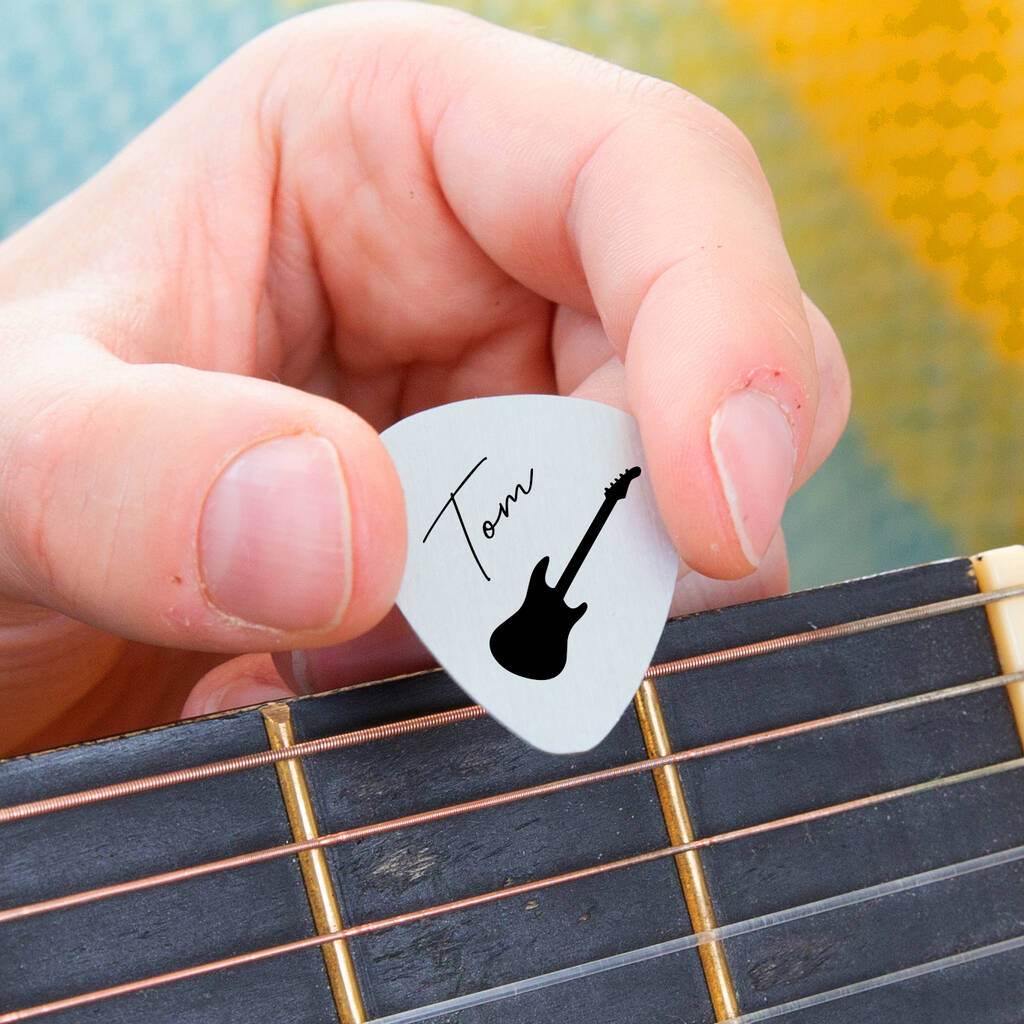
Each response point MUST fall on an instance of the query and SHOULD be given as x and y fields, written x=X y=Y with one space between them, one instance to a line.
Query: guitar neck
x=583 y=549
x=454 y=955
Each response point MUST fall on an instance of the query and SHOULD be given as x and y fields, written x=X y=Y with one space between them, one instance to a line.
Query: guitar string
x=510 y=892
x=262 y=758
x=504 y=799
x=768 y=1013
x=884 y=981
x=669 y=947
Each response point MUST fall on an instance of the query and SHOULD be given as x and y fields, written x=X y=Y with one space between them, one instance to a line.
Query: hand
x=370 y=210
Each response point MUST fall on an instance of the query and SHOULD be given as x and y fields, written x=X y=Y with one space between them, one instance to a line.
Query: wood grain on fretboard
x=72 y=951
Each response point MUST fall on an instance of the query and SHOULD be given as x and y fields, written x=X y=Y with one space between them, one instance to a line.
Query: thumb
x=193 y=509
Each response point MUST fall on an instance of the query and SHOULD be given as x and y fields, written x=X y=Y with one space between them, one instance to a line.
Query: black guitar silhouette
x=533 y=641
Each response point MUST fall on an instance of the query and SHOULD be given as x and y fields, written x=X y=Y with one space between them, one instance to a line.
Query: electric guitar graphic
x=533 y=641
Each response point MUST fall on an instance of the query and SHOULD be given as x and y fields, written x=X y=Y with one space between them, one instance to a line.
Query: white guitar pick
x=554 y=649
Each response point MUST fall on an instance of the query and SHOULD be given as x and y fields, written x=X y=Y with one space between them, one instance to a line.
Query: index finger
x=626 y=197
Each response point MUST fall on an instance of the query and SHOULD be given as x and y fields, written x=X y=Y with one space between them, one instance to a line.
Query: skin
x=365 y=212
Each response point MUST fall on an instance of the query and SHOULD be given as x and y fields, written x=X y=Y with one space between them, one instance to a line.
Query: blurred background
x=891 y=130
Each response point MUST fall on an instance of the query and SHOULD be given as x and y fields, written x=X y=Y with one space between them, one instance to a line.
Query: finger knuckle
x=723 y=141
x=30 y=473
x=48 y=482
x=646 y=91
x=729 y=147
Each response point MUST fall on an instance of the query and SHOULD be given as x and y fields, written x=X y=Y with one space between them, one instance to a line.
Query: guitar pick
x=539 y=573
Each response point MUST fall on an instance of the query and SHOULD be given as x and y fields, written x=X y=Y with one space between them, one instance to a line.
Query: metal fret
x=323 y=900
x=691 y=871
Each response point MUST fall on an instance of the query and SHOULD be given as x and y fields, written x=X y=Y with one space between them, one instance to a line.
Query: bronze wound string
x=257 y=759
x=504 y=799
x=263 y=758
x=836 y=632
x=510 y=892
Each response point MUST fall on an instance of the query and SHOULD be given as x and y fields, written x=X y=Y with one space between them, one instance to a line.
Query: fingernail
x=752 y=444
x=274 y=542
x=242 y=693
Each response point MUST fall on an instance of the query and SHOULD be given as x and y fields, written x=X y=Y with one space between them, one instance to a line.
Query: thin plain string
x=671 y=946
x=497 y=895
x=500 y=799
x=263 y=758
x=884 y=980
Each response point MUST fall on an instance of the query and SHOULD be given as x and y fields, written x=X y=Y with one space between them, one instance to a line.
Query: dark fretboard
x=90 y=947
